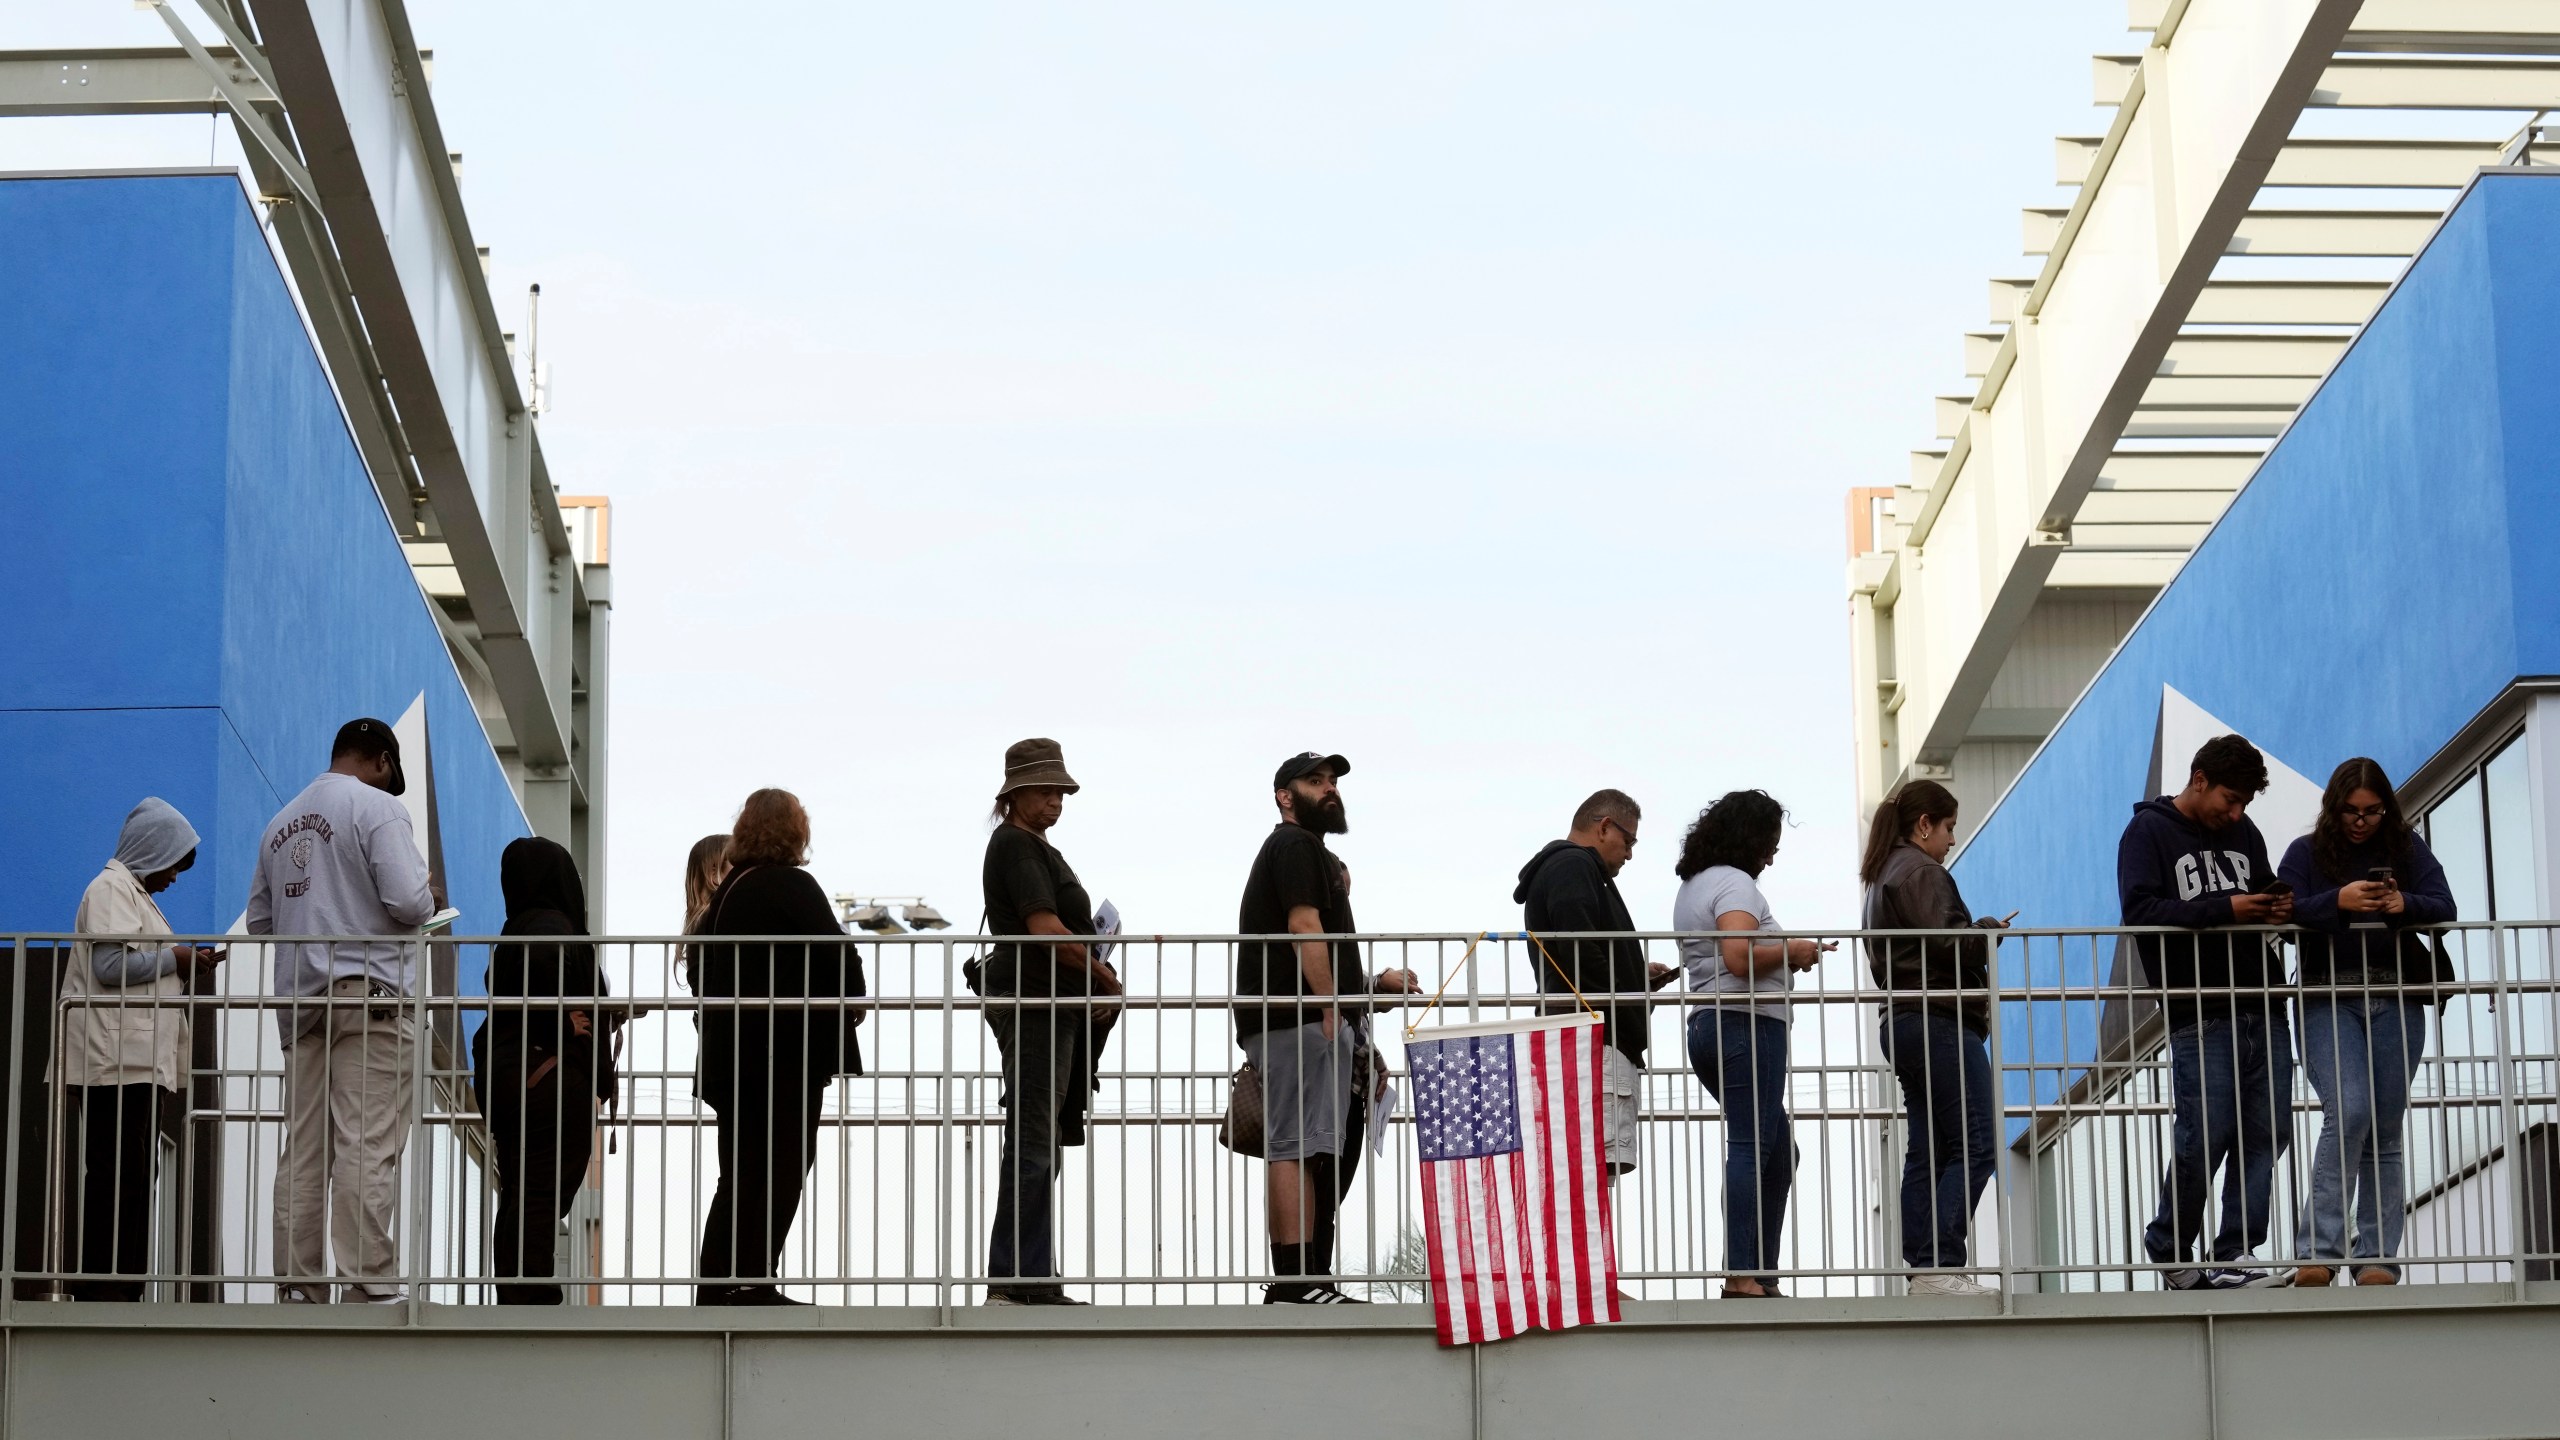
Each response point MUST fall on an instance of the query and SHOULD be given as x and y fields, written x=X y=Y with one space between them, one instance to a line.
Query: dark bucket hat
x=1036 y=762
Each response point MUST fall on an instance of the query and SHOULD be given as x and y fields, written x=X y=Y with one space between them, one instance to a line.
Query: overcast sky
x=1469 y=388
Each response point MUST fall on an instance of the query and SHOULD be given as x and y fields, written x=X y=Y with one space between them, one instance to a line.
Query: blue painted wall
x=204 y=585
x=2411 y=515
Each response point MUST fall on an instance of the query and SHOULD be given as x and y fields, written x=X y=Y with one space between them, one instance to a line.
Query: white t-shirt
x=1719 y=890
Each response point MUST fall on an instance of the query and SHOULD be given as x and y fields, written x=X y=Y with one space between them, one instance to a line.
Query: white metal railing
x=1151 y=1209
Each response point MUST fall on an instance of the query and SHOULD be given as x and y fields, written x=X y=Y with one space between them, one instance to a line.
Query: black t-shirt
x=1023 y=876
x=1293 y=869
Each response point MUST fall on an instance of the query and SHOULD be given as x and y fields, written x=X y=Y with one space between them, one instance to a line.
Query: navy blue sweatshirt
x=2335 y=943
x=2172 y=871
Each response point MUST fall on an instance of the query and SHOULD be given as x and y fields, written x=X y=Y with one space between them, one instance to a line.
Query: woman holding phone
x=2364 y=883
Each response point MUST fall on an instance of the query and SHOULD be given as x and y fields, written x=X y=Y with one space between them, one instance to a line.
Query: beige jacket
x=114 y=1034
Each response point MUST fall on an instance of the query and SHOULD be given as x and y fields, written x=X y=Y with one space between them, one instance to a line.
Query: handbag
x=1240 y=1130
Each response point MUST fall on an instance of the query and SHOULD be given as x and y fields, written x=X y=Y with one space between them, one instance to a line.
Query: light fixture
x=925 y=917
x=874 y=918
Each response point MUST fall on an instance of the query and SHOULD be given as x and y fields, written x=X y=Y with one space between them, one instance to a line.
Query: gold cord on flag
x=1469 y=958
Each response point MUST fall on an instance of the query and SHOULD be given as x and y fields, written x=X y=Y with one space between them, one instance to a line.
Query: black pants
x=768 y=1137
x=117 y=1130
x=544 y=1133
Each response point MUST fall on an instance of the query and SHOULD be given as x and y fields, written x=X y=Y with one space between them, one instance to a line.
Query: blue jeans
x=1948 y=1157
x=2362 y=1052
x=1741 y=1058
x=2231 y=1098
x=1044 y=1054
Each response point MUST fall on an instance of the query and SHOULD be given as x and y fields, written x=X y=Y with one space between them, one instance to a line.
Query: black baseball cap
x=371 y=737
x=1300 y=764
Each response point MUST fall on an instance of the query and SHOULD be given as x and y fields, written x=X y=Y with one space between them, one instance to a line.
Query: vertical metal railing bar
x=2003 y=1173
x=15 y=1156
x=2510 y=1137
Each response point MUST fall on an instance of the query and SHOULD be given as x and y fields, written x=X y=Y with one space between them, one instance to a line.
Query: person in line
x=1937 y=1045
x=2195 y=860
x=341 y=859
x=2363 y=884
x=1290 y=1024
x=1048 y=1052
x=1738 y=1037
x=705 y=866
x=765 y=1069
x=124 y=1047
x=1571 y=886
x=540 y=1071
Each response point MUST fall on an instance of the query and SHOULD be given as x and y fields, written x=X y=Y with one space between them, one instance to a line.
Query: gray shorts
x=1618 y=1082
x=1306 y=1089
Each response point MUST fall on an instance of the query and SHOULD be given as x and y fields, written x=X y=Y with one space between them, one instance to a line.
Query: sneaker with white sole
x=2234 y=1278
x=1949 y=1285
x=2185 y=1280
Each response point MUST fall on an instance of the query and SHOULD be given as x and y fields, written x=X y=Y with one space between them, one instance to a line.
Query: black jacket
x=791 y=1044
x=1916 y=893
x=544 y=897
x=2172 y=871
x=1563 y=889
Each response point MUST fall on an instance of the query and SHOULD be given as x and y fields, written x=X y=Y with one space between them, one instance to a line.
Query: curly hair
x=2232 y=763
x=771 y=829
x=1740 y=830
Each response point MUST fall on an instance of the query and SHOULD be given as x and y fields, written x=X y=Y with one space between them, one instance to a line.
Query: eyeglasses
x=1623 y=830
x=2365 y=812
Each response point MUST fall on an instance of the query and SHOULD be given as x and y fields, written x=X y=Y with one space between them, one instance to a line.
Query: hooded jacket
x=2339 y=947
x=1565 y=890
x=545 y=896
x=1915 y=892
x=127 y=1027
x=2172 y=871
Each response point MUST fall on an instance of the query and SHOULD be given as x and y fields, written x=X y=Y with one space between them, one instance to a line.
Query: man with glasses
x=1571 y=887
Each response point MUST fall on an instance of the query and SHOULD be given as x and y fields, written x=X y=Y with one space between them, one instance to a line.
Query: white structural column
x=2200 y=121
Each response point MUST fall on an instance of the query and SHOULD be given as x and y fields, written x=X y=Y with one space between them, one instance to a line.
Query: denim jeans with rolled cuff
x=2362 y=1052
x=1741 y=1057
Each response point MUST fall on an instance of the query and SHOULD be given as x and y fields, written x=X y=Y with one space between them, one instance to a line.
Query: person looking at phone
x=2194 y=860
x=1738 y=1035
x=1937 y=1043
x=2364 y=883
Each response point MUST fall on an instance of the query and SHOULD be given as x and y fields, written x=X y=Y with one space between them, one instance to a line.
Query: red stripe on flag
x=1549 y=1292
x=1436 y=1235
x=1578 y=1169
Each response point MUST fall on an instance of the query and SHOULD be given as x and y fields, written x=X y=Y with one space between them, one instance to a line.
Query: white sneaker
x=296 y=1295
x=398 y=1296
x=1948 y=1285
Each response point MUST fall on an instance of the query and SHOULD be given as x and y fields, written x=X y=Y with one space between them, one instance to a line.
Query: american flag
x=1515 y=1203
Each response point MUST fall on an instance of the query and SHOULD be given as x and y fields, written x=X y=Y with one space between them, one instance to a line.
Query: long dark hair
x=1740 y=830
x=2329 y=833
x=1902 y=811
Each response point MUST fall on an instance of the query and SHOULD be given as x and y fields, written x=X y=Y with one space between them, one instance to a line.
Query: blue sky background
x=1467 y=388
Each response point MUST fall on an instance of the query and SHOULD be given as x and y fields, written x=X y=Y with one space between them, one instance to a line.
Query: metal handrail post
x=423 y=1218
x=2511 y=1137
x=9 y=1201
x=2000 y=1168
x=942 y=1153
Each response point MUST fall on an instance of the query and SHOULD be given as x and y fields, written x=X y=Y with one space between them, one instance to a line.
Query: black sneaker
x=2186 y=1280
x=1310 y=1295
x=2230 y=1279
x=744 y=1295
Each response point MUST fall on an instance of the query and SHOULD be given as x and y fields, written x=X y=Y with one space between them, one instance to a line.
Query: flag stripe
x=1518 y=1210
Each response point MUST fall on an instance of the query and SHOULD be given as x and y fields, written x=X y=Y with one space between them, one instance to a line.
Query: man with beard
x=1293 y=1029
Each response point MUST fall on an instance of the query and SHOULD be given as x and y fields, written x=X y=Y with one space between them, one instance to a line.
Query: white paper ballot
x=1106 y=921
x=440 y=920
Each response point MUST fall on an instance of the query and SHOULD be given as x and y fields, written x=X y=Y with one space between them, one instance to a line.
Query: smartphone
x=2381 y=875
x=2279 y=888
x=2012 y=915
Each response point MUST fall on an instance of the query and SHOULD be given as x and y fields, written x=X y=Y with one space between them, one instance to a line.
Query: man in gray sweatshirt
x=341 y=860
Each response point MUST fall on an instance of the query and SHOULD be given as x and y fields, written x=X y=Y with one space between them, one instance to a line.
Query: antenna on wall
x=539 y=380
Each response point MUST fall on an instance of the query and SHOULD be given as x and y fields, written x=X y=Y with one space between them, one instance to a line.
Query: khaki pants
x=347 y=1094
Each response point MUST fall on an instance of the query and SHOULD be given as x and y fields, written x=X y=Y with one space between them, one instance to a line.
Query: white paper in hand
x=1106 y=921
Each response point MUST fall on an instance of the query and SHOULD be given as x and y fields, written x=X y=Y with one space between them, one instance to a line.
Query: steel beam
x=121 y=82
x=351 y=79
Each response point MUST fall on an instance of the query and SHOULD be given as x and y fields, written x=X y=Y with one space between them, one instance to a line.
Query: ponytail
x=1901 y=813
